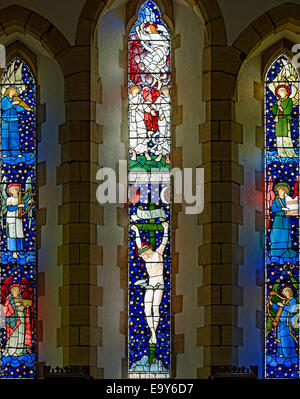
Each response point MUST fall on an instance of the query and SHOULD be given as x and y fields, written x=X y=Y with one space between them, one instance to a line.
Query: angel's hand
x=15 y=102
x=21 y=205
x=286 y=209
x=165 y=225
x=30 y=201
x=134 y=228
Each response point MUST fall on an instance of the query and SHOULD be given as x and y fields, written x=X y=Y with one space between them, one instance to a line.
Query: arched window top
x=18 y=72
x=149 y=13
x=278 y=67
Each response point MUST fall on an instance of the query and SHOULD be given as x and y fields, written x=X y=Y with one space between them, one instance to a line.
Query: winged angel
x=12 y=87
x=281 y=308
x=282 y=206
x=15 y=204
x=285 y=87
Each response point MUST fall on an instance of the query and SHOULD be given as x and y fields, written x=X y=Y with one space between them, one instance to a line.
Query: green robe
x=284 y=118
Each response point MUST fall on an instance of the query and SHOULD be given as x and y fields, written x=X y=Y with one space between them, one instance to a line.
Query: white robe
x=163 y=135
x=158 y=48
x=15 y=225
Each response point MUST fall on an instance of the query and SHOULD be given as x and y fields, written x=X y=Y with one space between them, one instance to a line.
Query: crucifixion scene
x=150 y=292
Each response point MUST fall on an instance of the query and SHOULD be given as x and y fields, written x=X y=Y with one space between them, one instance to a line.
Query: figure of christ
x=157 y=47
x=154 y=288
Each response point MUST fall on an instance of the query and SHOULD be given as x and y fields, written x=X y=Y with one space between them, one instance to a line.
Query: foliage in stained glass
x=17 y=221
x=149 y=98
x=282 y=219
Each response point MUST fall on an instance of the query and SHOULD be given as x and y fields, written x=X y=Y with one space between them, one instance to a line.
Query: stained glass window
x=17 y=218
x=149 y=264
x=282 y=219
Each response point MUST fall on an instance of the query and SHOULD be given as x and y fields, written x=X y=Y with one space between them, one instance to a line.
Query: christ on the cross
x=154 y=288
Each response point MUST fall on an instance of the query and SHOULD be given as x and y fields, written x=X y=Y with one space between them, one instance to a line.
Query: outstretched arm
x=164 y=242
x=137 y=236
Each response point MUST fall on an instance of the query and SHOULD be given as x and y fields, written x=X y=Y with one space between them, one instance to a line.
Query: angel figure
x=282 y=206
x=11 y=103
x=285 y=88
x=17 y=299
x=15 y=206
x=281 y=307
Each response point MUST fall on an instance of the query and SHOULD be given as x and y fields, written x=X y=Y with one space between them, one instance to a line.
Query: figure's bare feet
x=133 y=157
x=158 y=159
x=153 y=339
x=147 y=156
x=168 y=159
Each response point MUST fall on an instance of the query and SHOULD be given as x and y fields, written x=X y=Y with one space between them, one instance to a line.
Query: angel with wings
x=283 y=207
x=15 y=206
x=17 y=299
x=281 y=308
x=12 y=86
x=285 y=88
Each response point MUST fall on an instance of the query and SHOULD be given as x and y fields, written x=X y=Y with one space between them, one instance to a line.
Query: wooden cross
x=152 y=227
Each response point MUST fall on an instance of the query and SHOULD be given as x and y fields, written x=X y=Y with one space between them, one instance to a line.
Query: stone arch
x=16 y=18
x=285 y=16
x=209 y=11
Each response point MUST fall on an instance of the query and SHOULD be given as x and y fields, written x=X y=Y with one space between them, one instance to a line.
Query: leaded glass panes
x=149 y=264
x=282 y=219
x=18 y=221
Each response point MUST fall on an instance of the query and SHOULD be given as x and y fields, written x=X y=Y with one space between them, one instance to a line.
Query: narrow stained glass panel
x=149 y=263
x=282 y=220
x=17 y=221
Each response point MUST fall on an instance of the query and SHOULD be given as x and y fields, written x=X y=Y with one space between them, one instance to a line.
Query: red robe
x=13 y=321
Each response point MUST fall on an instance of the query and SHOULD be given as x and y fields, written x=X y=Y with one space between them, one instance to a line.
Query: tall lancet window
x=149 y=262
x=17 y=219
x=282 y=219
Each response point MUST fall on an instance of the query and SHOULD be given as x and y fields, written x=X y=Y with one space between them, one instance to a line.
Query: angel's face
x=15 y=291
x=287 y=292
x=12 y=92
x=281 y=192
x=14 y=191
x=135 y=92
x=282 y=93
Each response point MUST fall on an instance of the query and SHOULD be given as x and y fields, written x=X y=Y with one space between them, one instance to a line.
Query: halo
x=151 y=23
x=287 y=286
x=16 y=285
x=12 y=185
x=144 y=248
